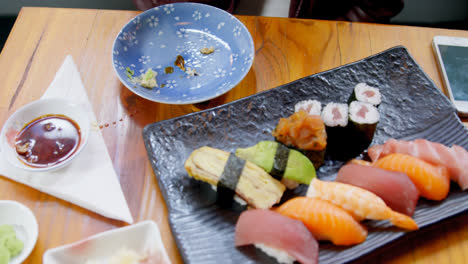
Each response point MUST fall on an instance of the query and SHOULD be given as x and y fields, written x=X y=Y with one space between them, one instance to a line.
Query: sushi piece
x=335 y=117
x=284 y=238
x=363 y=118
x=325 y=220
x=454 y=158
x=433 y=182
x=304 y=132
x=311 y=107
x=365 y=93
x=395 y=188
x=234 y=175
x=359 y=202
x=286 y=165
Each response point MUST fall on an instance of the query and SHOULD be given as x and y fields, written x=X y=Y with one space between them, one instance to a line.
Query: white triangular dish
x=90 y=181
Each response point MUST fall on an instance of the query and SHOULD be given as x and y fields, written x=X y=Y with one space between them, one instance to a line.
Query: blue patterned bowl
x=156 y=37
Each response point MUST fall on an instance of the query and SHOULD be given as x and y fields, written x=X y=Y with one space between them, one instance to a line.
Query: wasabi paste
x=10 y=246
x=147 y=80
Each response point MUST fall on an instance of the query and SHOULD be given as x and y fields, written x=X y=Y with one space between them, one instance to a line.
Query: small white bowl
x=143 y=237
x=29 y=112
x=24 y=222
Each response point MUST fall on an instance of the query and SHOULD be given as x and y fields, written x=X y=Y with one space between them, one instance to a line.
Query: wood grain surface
x=285 y=50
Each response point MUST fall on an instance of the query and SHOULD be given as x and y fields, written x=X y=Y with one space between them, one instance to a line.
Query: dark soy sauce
x=47 y=141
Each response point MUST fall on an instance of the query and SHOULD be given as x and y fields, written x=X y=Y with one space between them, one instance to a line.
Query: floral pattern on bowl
x=157 y=36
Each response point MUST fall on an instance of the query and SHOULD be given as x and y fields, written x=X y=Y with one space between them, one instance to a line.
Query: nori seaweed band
x=280 y=162
x=228 y=181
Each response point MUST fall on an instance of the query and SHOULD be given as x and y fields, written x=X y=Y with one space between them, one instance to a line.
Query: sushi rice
x=311 y=107
x=236 y=197
x=335 y=114
x=367 y=94
x=363 y=113
x=280 y=255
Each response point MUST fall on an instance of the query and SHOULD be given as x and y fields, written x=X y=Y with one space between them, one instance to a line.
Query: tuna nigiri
x=359 y=202
x=325 y=220
x=395 y=188
x=281 y=237
x=433 y=182
x=454 y=158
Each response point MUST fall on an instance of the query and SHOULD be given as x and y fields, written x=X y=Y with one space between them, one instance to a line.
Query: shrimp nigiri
x=360 y=203
x=324 y=220
x=433 y=182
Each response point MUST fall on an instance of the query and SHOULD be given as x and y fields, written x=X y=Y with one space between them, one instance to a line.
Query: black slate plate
x=412 y=108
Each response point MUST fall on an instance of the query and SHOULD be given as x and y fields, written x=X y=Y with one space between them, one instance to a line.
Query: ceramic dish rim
x=230 y=87
x=84 y=131
x=109 y=233
x=35 y=228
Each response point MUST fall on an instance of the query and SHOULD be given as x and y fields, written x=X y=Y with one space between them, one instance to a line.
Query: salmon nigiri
x=324 y=220
x=433 y=182
x=359 y=202
x=454 y=158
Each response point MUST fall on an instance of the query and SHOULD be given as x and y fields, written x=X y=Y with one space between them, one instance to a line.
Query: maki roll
x=367 y=94
x=311 y=107
x=363 y=118
x=304 y=132
x=234 y=176
x=335 y=117
x=289 y=166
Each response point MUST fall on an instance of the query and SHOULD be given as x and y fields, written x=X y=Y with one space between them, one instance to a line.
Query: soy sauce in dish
x=47 y=141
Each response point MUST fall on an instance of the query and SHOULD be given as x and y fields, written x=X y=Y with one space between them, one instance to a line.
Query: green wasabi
x=10 y=245
x=4 y=255
x=280 y=161
x=147 y=79
x=129 y=72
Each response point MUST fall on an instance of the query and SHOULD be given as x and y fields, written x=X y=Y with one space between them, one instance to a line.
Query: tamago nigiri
x=360 y=203
x=324 y=220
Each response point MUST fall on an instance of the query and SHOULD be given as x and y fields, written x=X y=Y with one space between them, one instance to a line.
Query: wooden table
x=286 y=50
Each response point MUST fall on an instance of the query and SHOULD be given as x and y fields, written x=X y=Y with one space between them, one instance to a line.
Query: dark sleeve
x=227 y=5
x=351 y=10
